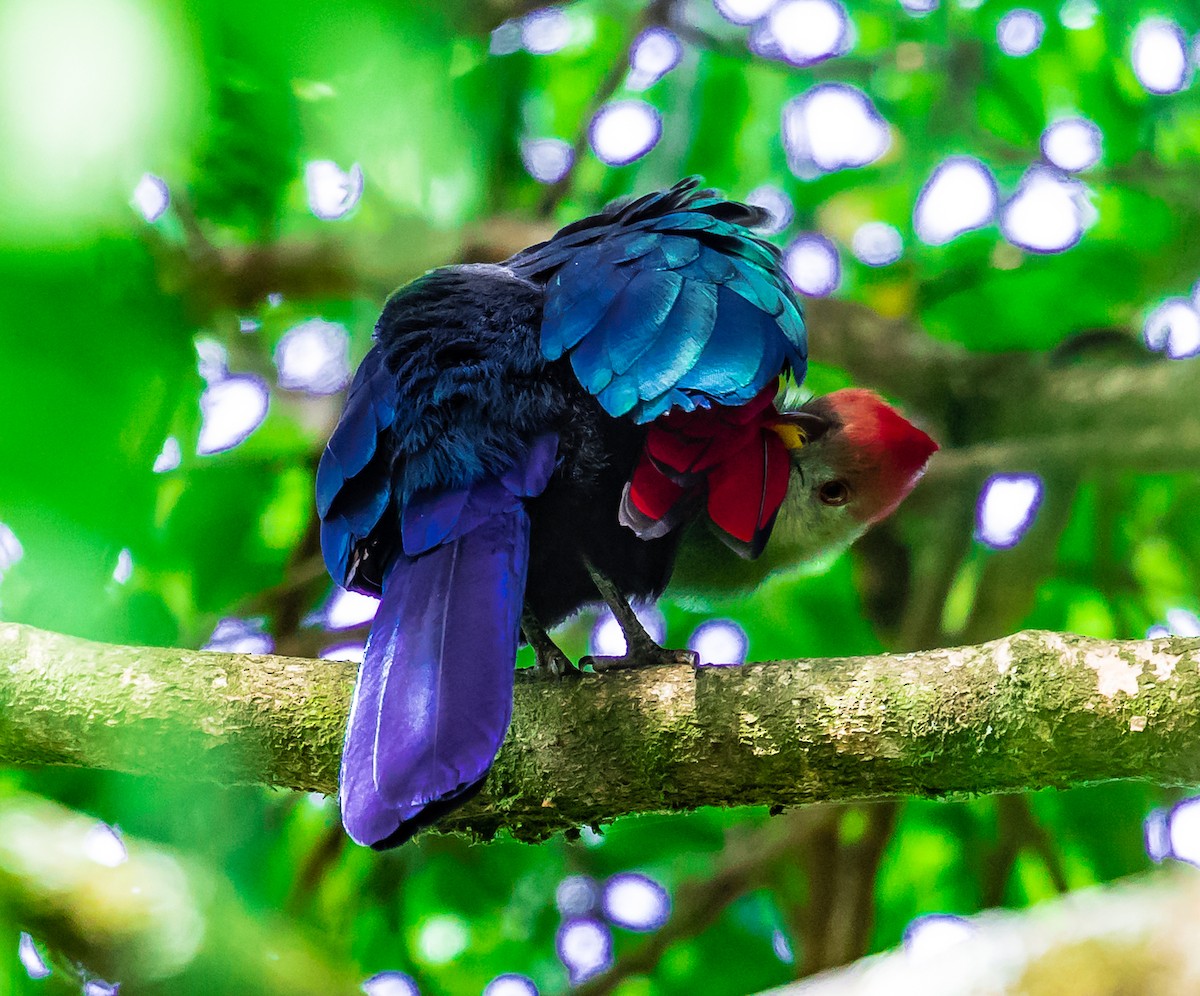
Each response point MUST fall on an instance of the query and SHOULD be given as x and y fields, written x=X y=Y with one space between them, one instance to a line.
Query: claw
x=553 y=664
x=550 y=661
x=640 y=648
x=652 y=656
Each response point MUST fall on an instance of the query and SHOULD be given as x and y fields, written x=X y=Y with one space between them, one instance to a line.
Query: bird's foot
x=550 y=662
x=645 y=656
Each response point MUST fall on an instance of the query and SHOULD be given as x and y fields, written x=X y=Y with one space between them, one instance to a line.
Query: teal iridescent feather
x=665 y=298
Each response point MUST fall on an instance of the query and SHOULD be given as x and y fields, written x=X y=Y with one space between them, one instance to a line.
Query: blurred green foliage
x=100 y=311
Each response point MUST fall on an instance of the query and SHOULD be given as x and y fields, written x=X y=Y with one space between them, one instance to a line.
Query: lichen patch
x=1114 y=673
x=1004 y=657
x=1164 y=664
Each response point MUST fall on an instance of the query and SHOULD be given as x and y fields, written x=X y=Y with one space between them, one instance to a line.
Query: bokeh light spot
x=813 y=265
x=169 y=457
x=636 y=902
x=720 y=642
x=1175 y=832
x=314 y=356
x=103 y=845
x=1156 y=835
x=655 y=52
x=743 y=11
x=576 y=896
x=390 y=984
x=124 y=569
x=1072 y=144
x=11 y=550
x=1078 y=15
x=830 y=127
x=1020 y=32
x=1046 y=215
x=624 y=130
x=1008 y=504
x=506 y=38
x=584 y=947
x=591 y=837
x=545 y=31
x=1173 y=328
x=776 y=203
x=353 y=652
x=809 y=31
x=1183 y=623
x=511 y=984
x=1160 y=59
x=332 y=192
x=960 y=196
x=31 y=959
x=231 y=410
x=240 y=636
x=608 y=639
x=782 y=947
x=151 y=197
x=547 y=160
x=346 y=609
x=212 y=360
x=919 y=7
x=442 y=939
x=877 y=243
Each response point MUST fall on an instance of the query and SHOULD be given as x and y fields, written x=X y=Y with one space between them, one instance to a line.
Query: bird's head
x=854 y=458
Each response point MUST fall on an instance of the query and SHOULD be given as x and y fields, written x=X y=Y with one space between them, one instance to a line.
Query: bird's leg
x=640 y=648
x=551 y=661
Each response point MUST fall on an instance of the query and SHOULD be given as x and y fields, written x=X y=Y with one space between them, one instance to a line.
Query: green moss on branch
x=1026 y=712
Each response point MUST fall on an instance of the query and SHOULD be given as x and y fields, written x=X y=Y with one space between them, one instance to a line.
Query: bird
x=528 y=437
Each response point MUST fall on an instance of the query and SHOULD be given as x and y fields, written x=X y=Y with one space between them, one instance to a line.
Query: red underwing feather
x=746 y=490
x=651 y=491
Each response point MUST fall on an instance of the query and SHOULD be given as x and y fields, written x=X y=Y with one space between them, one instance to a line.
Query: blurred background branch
x=1132 y=937
x=151 y=918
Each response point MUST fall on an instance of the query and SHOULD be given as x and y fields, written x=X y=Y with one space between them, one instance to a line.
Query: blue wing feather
x=590 y=362
x=635 y=320
x=577 y=299
x=676 y=251
x=685 y=333
x=354 y=474
x=619 y=397
x=353 y=442
x=727 y=366
x=624 y=298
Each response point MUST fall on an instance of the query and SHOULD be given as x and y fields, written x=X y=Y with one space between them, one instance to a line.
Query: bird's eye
x=834 y=493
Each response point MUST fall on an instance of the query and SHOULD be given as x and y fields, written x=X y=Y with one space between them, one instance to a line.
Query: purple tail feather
x=434 y=694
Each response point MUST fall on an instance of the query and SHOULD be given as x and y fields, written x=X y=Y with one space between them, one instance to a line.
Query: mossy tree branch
x=1029 y=711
